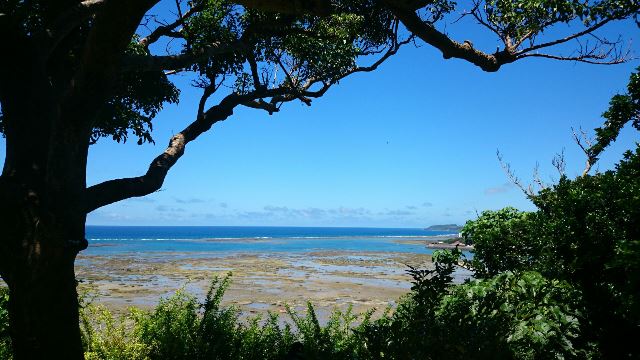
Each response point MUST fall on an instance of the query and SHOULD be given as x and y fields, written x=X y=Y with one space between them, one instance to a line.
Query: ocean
x=113 y=240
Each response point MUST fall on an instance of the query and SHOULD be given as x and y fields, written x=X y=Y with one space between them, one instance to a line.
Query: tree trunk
x=39 y=269
x=51 y=90
x=42 y=221
x=43 y=307
x=41 y=237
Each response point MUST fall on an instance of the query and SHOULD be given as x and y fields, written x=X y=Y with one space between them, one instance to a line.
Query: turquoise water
x=113 y=240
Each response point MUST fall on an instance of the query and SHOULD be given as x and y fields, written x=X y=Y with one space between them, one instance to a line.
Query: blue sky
x=410 y=145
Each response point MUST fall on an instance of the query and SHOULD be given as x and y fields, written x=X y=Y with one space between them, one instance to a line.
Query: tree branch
x=492 y=62
x=116 y=190
x=591 y=157
x=586 y=31
x=449 y=48
x=168 y=30
x=177 y=62
x=506 y=167
x=594 y=60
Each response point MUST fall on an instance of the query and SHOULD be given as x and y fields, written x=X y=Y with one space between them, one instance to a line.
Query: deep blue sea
x=113 y=240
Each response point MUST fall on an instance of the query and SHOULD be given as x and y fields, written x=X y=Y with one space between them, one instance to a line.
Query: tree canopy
x=261 y=54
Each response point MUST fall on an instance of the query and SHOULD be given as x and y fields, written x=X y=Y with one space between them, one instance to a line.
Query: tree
x=74 y=71
x=585 y=232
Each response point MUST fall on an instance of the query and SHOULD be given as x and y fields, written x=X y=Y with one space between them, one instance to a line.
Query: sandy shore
x=261 y=282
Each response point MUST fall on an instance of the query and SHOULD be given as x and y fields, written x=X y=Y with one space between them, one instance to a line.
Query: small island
x=446 y=227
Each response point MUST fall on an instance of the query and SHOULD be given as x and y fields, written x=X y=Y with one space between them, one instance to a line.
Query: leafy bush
x=512 y=316
x=501 y=242
x=5 y=340
x=586 y=232
x=411 y=331
x=338 y=339
x=181 y=328
x=170 y=330
x=106 y=336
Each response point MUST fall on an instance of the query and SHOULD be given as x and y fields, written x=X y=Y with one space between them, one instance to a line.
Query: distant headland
x=446 y=227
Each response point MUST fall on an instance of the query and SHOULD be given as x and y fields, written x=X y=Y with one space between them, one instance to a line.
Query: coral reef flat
x=260 y=282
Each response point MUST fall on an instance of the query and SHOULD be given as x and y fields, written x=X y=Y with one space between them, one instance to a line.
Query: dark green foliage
x=509 y=316
x=593 y=228
x=170 y=330
x=215 y=331
x=5 y=340
x=429 y=285
x=500 y=243
x=411 y=332
x=370 y=12
x=299 y=48
x=338 y=339
x=585 y=235
x=586 y=232
x=218 y=23
x=512 y=316
x=517 y=19
x=140 y=95
x=623 y=108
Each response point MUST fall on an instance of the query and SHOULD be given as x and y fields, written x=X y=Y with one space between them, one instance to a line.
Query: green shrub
x=512 y=316
x=108 y=337
x=181 y=328
x=502 y=242
x=265 y=339
x=586 y=232
x=339 y=339
x=170 y=330
x=5 y=339
x=411 y=332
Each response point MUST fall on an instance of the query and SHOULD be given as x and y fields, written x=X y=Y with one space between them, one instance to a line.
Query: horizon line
x=276 y=226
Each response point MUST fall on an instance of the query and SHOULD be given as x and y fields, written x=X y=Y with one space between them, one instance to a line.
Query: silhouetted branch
x=559 y=163
x=170 y=29
x=591 y=157
x=449 y=48
x=116 y=190
x=586 y=31
x=604 y=52
x=536 y=177
x=177 y=62
x=512 y=176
